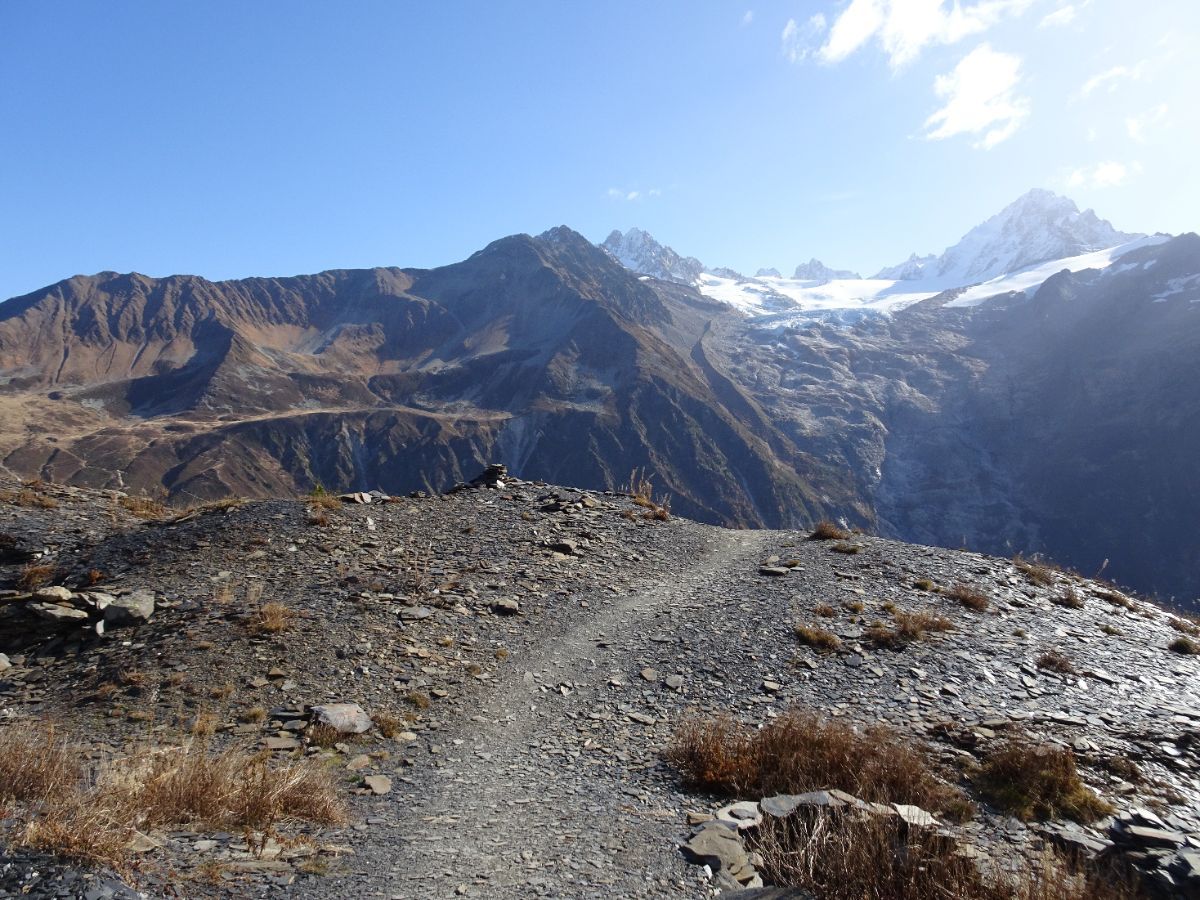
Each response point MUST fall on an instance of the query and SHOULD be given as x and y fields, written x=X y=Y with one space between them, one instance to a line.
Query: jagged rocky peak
x=767 y=273
x=638 y=251
x=815 y=270
x=1037 y=226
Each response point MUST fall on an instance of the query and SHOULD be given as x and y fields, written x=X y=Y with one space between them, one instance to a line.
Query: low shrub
x=802 y=751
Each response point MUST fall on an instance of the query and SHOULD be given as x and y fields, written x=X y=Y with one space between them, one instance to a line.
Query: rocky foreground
x=529 y=651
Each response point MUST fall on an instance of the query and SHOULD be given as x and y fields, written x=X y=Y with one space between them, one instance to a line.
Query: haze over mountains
x=1031 y=388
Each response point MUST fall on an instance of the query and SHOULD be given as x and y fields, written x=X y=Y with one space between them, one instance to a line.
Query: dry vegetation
x=828 y=531
x=1069 y=598
x=28 y=496
x=144 y=507
x=1054 y=661
x=970 y=597
x=907 y=627
x=817 y=638
x=858 y=857
x=1185 y=646
x=801 y=751
x=271 y=618
x=1037 y=781
x=640 y=490
x=34 y=576
x=1038 y=572
x=61 y=808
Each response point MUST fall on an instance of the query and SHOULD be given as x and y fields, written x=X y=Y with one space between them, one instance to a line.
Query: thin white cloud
x=747 y=17
x=980 y=99
x=906 y=27
x=1064 y=15
x=1113 y=78
x=631 y=196
x=1137 y=125
x=800 y=41
x=1102 y=175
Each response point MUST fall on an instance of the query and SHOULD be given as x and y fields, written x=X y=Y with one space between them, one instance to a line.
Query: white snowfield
x=786 y=298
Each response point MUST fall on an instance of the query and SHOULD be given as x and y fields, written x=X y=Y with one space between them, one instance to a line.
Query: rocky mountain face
x=639 y=252
x=1038 y=226
x=815 y=270
x=543 y=352
x=1057 y=419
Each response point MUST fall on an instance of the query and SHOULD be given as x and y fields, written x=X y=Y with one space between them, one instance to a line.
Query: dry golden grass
x=144 y=507
x=324 y=736
x=1037 y=781
x=1039 y=573
x=1184 y=646
x=318 y=518
x=1054 y=661
x=640 y=490
x=271 y=618
x=924 y=584
x=34 y=576
x=824 y=610
x=907 y=628
x=36 y=763
x=419 y=699
x=817 y=638
x=858 y=857
x=387 y=724
x=828 y=531
x=28 y=497
x=320 y=498
x=62 y=809
x=1113 y=597
x=969 y=597
x=801 y=751
x=254 y=714
x=1185 y=626
x=1069 y=598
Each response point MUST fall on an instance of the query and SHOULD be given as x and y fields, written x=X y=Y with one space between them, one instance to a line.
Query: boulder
x=131 y=609
x=344 y=718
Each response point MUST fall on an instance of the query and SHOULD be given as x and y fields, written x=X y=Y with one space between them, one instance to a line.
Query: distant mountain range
x=1031 y=389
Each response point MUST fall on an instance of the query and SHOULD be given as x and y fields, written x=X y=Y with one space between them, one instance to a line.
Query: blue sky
x=272 y=138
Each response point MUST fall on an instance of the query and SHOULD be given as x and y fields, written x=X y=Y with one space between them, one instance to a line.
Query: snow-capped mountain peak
x=1037 y=226
x=639 y=252
x=815 y=270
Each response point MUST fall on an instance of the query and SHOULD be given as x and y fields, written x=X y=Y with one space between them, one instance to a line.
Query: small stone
x=649 y=674
x=52 y=612
x=53 y=594
x=131 y=609
x=506 y=606
x=378 y=784
x=773 y=571
x=674 y=682
x=344 y=718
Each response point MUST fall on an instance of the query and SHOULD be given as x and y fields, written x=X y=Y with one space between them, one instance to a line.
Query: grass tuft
x=817 y=638
x=1037 y=781
x=828 y=531
x=972 y=599
x=802 y=751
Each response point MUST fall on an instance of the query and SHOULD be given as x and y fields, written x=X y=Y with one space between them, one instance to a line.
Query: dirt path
x=549 y=787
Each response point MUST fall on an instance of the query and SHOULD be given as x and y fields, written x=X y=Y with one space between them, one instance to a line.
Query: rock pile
x=61 y=607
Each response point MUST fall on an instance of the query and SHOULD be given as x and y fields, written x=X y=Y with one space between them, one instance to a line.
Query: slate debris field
x=535 y=647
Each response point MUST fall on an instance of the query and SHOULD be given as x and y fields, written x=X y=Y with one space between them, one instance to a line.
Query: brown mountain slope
x=539 y=352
